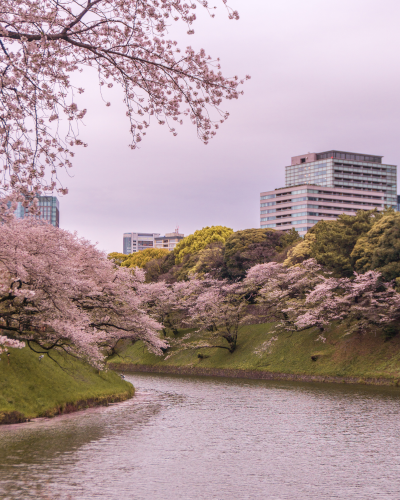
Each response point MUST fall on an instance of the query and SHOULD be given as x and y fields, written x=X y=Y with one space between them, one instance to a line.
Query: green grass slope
x=341 y=355
x=32 y=388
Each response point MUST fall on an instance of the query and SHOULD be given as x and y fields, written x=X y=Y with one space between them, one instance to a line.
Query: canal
x=191 y=438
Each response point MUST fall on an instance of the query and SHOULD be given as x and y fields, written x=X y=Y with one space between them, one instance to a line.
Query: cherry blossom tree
x=281 y=291
x=305 y=296
x=364 y=302
x=44 y=42
x=219 y=310
x=58 y=291
x=6 y=342
x=322 y=305
x=163 y=304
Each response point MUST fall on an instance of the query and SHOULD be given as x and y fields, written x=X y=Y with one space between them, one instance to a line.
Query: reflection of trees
x=34 y=455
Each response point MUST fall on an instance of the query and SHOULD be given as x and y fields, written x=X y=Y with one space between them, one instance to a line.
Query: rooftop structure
x=170 y=240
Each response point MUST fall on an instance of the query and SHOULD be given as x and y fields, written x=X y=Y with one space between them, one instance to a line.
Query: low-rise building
x=134 y=242
x=170 y=240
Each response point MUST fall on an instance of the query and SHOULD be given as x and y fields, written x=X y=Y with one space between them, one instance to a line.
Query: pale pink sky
x=325 y=75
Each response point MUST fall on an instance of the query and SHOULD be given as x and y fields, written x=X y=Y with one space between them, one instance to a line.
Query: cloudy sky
x=325 y=75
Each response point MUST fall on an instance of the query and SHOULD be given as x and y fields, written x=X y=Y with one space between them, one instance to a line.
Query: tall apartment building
x=49 y=210
x=321 y=186
x=170 y=240
x=134 y=242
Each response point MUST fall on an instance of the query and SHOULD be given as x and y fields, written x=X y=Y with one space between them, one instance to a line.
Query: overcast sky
x=325 y=75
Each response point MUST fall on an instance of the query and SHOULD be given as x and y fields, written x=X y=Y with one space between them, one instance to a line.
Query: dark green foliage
x=209 y=260
x=380 y=248
x=289 y=239
x=249 y=247
x=335 y=240
x=160 y=269
x=390 y=331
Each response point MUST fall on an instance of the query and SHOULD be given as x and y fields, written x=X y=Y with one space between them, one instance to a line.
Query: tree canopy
x=301 y=251
x=140 y=259
x=379 y=249
x=335 y=240
x=117 y=258
x=246 y=248
x=216 y=251
x=195 y=242
x=58 y=291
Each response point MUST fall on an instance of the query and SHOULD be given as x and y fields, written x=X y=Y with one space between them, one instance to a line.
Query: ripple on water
x=201 y=438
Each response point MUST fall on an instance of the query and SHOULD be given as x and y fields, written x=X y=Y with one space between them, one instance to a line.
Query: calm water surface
x=201 y=438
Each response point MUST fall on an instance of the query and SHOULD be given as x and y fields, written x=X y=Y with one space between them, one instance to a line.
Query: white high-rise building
x=321 y=186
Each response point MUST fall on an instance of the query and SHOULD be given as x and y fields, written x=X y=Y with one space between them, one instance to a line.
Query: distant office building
x=134 y=242
x=49 y=210
x=170 y=240
x=339 y=169
x=324 y=185
x=398 y=203
x=302 y=207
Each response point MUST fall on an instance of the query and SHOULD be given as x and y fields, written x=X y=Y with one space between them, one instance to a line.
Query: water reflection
x=199 y=438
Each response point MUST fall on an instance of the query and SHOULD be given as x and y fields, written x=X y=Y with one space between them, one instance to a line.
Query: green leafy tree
x=290 y=238
x=159 y=269
x=301 y=251
x=379 y=249
x=209 y=260
x=118 y=258
x=335 y=240
x=244 y=249
x=140 y=259
x=195 y=242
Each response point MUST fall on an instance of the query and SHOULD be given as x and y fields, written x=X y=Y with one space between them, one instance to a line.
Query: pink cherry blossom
x=5 y=342
x=42 y=43
x=57 y=291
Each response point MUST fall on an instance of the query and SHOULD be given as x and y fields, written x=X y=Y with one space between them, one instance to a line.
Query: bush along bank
x=31 y=386
x=336 y=357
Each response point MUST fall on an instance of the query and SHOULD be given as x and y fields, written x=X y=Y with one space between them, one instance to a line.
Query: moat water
x=188 y=438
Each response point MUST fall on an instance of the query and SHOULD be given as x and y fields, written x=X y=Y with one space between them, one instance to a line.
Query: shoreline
x=251 y=374
x=15 y=417
x=34 y=388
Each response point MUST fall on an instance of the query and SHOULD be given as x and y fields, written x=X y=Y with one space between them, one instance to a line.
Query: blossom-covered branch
x=44 y=42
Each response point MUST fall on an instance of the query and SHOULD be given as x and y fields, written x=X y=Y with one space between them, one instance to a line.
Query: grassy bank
x=346 y=356
x=32 y=388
